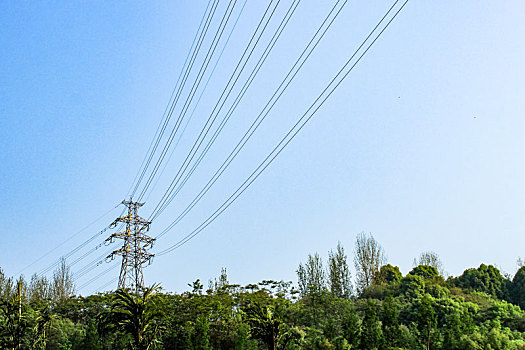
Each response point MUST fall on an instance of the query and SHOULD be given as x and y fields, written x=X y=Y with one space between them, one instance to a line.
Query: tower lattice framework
x=134 y=249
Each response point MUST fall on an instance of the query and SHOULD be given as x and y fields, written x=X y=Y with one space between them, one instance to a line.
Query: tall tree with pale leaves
x=369 y=257
x=62 y=286
x=311 y=276
x=431 y=259
x=339 y=277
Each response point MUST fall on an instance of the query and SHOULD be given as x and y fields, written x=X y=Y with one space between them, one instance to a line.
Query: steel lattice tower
x=134 y=250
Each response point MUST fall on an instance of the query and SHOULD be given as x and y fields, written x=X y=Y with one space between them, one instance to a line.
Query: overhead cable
x=196 y=83
x=303 y=120
x=241 y=64
x=196 y=103
x=70 y=238
x=194 y=50
x=262 y=115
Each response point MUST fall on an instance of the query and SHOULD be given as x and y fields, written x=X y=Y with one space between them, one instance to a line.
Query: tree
x=517 y=288
x=371 y=336
x=14 y=320
x=351 y=327
x=39 y=288
x=389 y=274
x=425 y=271
x=426 y=320
x=339 y=278
x=390 y=322
x=62 y=286
x=44 y=318
x=201 y=338
x=136 y=315
x=486 y=279
x=7 y=289
x=266 y=321
x=432 y=259
x=369 y=257
x=311 y=276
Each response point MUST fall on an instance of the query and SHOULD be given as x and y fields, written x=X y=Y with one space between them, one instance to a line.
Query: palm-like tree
x=267 y=323
x=136 y=314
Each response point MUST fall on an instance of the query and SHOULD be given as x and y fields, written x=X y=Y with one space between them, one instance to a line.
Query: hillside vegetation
x=382 y=309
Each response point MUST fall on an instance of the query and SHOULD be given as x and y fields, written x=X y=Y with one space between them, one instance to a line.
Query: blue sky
x=422 y=145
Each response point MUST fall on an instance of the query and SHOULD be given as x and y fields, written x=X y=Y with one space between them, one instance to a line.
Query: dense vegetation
x=481 y=309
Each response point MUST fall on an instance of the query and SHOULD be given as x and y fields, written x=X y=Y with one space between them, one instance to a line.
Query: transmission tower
x=134 y=250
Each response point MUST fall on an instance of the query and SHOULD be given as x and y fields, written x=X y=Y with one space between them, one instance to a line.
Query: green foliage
x=351 y=327
x=425 y=271
x=339 y=279
x=372 y=335
x=135 y=315
x=418 y=311
x=426 y=322
x=311 y=276
x=389 y=274
x=517 y=288
x=390 y=321
x=369 y=257
x=486 y=279
x=412 y=286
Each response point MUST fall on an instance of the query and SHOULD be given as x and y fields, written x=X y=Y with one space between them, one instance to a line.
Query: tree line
x=327 y=309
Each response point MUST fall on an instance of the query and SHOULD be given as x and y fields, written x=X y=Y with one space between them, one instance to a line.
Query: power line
x=70 y=253
x=106 y=284
x=82 y=257
x=193 y=90
x=69 y=239
x=164 y=115
x=262 y=115
x=56 y=263
x=310 y=112
x=111 y=268
x=213 y=115
x=173 y=101
x=197 y=103
x=91 y=265
x=247 y=84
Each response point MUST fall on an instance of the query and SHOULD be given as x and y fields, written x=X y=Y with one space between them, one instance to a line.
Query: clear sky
x=422 y=145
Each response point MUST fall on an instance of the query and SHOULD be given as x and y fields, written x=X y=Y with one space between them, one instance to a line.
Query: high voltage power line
x=171 y=192
x=132 y=235
x=61 y=244
x=194 y=49
x=267 y=16
x=111 y=268
x=198 y=100
x=193 y=90
x=91 y=265
x=257 y=121
x=157 y=136
x=305 y=118
x=75 y=250
x=272 y=42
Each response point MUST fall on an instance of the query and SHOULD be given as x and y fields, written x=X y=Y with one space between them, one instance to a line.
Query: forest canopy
x=327 y=309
